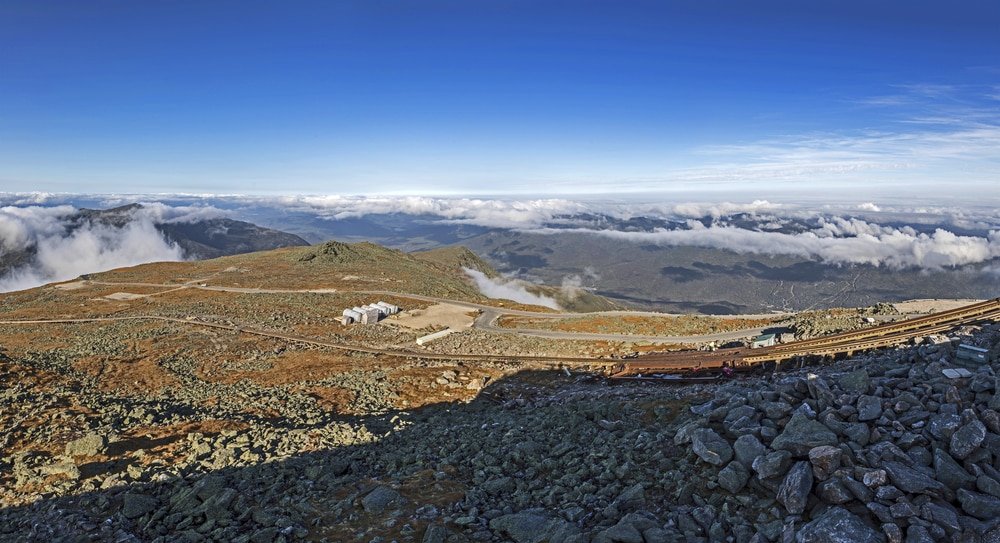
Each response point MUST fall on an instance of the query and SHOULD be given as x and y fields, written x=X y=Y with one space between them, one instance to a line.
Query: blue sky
x=494 y=97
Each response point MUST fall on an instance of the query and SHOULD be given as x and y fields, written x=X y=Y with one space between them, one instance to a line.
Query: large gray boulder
x=967 y=438
x=734 y=476
x=979 y=505
x=137 y=505
x=838 y=525
x=381 y=499
x=747 y=449
x=533 y=527
x=869 y=408
x=711 y=447
x=802 y=434
x=794 y=490
x=950 y=472
x=910 y=480
x=772 y=464
x=88 y=445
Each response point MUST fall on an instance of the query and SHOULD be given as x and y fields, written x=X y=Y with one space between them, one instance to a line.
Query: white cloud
x=836 y=242
x=63 y=252
x=869 y=206
x=508 y=289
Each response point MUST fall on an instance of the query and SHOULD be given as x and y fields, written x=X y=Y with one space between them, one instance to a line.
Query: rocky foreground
x=877 y=448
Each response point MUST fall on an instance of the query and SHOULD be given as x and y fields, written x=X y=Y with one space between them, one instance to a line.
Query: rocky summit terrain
x=881 y=447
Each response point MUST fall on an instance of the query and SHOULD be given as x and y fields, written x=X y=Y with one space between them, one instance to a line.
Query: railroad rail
x=686 y=365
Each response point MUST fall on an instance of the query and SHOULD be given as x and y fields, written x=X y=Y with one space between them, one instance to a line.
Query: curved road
x=490 y=314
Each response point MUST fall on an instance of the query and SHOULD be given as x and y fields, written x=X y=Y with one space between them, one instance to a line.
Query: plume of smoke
x=508 y=290
x=61 y=252
x=572 y=286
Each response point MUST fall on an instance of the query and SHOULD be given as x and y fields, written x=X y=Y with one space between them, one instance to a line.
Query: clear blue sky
x=497 y=97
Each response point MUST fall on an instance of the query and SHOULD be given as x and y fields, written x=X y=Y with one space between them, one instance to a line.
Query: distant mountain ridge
x=207 y=238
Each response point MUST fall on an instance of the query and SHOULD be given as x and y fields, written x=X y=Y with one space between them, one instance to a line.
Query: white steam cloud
x=57 y=247
x=508 y=289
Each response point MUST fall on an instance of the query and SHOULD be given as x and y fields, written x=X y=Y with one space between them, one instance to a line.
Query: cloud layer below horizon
x=893 y=236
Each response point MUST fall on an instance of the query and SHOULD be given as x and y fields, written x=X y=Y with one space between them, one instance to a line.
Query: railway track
x=687 y=364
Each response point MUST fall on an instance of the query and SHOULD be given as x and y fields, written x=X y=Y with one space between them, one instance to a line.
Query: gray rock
x=137 y=505
x=943 y=425
x=802 y=434
x=979 y=505
x=747 y=449
x=435 y=533
x=918 y=534
x=950 y=472
x=838 y=525
x=833 y=491
x=869 y=408
x=631 y=498
x=777 y=410
x=825 y=459
x=794 y=490
x=380 y=499
x=734 y=477
x=942 y=515
x=711 y=447
x=856 y=382
x=893 y=533
x=988 y=485
x=857 y=432
x=913 y=481
x=967 y=438
x=772 y=464
x=533 y=527
x=88 y=445
x=623 y=532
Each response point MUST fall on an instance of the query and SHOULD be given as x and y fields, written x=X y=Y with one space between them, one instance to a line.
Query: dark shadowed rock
x=137 y=505
x=734 y=477
x=802 y=434
x=979 y=505
x=912 y=481
x=855 y=382
x=794 y=490
x=747 y=449
x=772 y=464
x=825 y=459
x=380 y=499
x=838 y=525
x=533 y=527
x=949 y=472
x=834 y=491
x=869 y=408
x=967 y=438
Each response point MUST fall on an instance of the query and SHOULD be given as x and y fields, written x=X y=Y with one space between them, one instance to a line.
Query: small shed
x=351 y=316
x=764 y=340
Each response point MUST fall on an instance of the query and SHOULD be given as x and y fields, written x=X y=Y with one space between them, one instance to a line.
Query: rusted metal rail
x=687 y=365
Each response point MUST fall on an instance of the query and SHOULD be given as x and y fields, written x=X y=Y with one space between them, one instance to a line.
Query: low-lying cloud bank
x=49 y=244
x=889 y=247
x=508 y=289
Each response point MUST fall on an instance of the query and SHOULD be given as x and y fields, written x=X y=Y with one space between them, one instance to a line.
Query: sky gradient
x=498 y=97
